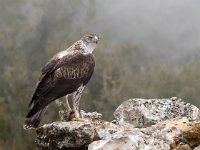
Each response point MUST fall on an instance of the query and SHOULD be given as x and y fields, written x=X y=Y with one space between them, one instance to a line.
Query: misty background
x=148 y=49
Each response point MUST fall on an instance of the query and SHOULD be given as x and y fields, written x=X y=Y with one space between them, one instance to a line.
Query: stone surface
x=160 y=136
x=197 y=148
x=63 y=135
x=129 y=140
x=158 y=128
x=147 y=112
x=69 y=115
x=177 y=134
x=191 y=133
x=106 y=129
x=183 y=147
x=92 y=116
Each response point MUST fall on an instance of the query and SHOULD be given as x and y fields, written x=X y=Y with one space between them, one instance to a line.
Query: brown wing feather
x=62 y=78
x=42 y=85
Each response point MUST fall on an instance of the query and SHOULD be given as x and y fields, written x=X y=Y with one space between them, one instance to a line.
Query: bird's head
x=90 y=42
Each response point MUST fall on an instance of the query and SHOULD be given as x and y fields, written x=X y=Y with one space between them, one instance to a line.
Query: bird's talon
x=66 y=115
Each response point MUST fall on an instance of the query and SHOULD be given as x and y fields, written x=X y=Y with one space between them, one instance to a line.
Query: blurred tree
x=32 y=31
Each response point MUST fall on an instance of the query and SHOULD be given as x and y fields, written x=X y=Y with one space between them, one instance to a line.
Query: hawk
x=66 y=73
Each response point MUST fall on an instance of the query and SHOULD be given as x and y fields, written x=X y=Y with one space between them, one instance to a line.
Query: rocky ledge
x=141 y=124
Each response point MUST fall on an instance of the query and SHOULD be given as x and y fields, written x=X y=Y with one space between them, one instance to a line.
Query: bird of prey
x=66 y=73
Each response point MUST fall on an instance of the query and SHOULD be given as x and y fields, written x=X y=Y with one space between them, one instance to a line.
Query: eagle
x=66 y=73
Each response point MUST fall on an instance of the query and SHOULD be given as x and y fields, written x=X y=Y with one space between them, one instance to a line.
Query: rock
x=63 y=135
x=94 y=116
x=191 y=133
x=177 y=134
x=159 y=136
x=147 y=112
x=72 y=135
x=165 y=124
x=129 y=140
x=69 y=115
x=197 y=148
x=107 y=129
x=183 y=147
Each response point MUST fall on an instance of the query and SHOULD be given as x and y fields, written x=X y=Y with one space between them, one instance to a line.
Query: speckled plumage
x=62 y=75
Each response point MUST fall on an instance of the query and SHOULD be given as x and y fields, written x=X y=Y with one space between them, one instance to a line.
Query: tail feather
x=38 y=105
x=34 y=121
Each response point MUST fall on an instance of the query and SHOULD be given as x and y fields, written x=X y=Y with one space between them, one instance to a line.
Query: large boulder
x=164 y=124
x=176 y=134
x=146 y=112
x=65 y=135
x=130 y=140
x=152 y=138
x=72 y=135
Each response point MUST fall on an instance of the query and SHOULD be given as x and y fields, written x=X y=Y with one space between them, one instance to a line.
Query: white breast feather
x=62 y=54
x=89 y=48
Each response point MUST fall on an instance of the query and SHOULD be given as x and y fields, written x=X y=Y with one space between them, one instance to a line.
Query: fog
x=147 y=49
x=171 y=28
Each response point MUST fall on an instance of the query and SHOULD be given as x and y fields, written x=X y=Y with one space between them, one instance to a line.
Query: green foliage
x=32 y=31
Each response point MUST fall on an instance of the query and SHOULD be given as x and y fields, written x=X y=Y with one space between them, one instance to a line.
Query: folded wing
x=61 y=76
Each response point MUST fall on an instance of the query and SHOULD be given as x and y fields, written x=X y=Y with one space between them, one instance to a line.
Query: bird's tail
x=34 y=121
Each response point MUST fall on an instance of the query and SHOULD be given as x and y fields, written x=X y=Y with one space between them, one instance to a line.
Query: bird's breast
x=72 y=72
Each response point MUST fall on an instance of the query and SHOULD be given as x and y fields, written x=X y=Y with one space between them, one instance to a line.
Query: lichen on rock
x=147 y=112
x=141 y=124
x=60 y=135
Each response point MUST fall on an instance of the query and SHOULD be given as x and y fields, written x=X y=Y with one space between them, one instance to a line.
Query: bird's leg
x=68 y=113
x=76 y=100
x=66 y=103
